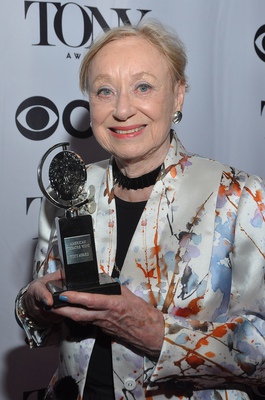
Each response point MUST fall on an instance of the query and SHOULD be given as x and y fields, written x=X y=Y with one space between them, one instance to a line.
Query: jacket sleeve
x=229 y=349
x=46 y=260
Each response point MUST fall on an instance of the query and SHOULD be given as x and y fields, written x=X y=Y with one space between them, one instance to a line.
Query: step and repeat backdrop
x=42 y=44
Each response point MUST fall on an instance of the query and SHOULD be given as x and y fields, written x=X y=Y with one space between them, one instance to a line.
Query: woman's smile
x=128 y=131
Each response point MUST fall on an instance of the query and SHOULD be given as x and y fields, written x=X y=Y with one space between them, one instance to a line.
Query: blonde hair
x=164 y=39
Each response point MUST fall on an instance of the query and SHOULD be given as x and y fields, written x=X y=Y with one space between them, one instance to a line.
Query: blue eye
x=144 y=87
x=104 y=92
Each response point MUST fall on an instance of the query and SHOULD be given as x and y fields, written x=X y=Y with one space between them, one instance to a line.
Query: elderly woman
x=185 y=235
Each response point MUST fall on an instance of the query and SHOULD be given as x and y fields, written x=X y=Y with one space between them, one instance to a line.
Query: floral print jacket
x=198 y=255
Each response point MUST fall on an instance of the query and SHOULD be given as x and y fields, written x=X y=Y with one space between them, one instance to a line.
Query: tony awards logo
x=67 y=176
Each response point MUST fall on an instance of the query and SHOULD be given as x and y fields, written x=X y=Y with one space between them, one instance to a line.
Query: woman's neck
x=133 y=195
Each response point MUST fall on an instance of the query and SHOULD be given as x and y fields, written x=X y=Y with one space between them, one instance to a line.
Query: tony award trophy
x=67 y=176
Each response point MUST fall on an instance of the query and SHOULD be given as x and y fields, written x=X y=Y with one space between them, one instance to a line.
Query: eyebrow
x=100 y=77
x=143 y=74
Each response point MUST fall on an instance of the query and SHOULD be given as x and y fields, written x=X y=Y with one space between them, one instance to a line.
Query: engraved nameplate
x=78 y=249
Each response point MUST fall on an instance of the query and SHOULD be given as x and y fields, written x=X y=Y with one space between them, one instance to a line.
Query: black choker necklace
x=134 y=183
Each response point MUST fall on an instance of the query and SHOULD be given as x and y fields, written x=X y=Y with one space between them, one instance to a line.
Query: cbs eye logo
x=37 y=118
x=259 y=42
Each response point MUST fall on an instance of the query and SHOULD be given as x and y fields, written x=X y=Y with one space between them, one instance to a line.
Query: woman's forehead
x=132 y=53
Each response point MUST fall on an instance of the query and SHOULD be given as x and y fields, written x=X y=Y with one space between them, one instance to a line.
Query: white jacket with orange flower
x=198 y=255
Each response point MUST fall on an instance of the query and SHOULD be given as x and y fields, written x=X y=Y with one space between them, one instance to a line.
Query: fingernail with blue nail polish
x=46 y=307
x=63 y=298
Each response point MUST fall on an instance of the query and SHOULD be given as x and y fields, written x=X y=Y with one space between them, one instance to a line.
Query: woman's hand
x=126 y=317
x=38 y=297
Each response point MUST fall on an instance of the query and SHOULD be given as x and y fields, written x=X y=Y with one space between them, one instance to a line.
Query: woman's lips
x=129 y=130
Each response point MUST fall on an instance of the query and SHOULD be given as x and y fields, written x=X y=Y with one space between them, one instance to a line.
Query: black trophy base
x=106 y=285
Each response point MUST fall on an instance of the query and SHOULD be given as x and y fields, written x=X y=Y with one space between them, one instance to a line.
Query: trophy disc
x=67 y=175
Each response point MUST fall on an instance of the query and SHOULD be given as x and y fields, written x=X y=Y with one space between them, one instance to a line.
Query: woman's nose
x=124 y=107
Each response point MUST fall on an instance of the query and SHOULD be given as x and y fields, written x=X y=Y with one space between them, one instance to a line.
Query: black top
x=99 y=382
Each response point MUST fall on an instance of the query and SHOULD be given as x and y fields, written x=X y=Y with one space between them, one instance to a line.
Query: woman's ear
x=180 y=89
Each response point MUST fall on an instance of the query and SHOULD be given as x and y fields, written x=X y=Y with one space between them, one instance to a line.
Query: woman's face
x=132 y=101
